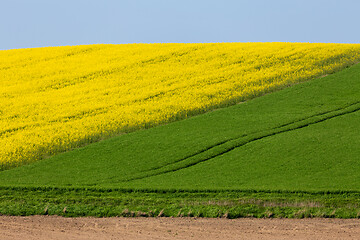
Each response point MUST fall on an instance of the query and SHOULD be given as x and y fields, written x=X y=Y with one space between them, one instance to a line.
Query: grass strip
x=75 y=202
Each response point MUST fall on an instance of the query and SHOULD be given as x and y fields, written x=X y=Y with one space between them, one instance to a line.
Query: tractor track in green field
x=230 y=144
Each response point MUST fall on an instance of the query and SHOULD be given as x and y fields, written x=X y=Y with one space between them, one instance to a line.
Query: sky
x=42 y=23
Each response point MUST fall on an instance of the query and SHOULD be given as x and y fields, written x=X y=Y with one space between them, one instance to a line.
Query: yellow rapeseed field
x=58 y=98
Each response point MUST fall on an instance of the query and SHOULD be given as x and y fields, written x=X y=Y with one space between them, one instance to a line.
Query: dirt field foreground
x=53 y=227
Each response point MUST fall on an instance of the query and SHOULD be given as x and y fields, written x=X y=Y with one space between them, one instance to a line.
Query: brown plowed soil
x=53 y=227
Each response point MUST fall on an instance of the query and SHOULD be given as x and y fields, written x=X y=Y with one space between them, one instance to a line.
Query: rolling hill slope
x=290 y=153
x=303 y=138
x=56 y=99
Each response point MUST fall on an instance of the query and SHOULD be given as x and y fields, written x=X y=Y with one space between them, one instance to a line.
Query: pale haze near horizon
x=40 y=23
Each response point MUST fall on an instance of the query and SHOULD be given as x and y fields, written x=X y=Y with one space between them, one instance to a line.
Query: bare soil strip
x=54 y=227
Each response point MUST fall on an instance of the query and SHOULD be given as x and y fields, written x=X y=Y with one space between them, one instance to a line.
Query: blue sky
x=40 y=23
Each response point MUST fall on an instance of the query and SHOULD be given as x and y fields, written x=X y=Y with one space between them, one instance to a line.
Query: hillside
x=289 y=153
x=302 y=138
x=59 y=98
